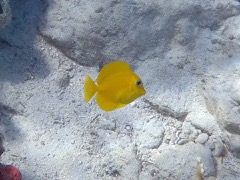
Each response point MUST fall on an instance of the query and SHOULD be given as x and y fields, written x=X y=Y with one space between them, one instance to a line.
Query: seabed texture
x=188 y=56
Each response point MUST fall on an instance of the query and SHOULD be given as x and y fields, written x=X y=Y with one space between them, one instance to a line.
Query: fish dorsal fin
x=112 y=68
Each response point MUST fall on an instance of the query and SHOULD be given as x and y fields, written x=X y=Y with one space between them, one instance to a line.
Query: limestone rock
x=5 y=13
x=235 y=145
x=181 y=162
x=202 y=138
x=131 y=30
x=151 y=134
x=222 y=99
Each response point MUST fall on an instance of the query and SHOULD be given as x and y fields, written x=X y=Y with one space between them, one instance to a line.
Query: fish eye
x=139 y=82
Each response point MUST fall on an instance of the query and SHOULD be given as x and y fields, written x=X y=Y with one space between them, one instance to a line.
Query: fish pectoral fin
x=105 y=104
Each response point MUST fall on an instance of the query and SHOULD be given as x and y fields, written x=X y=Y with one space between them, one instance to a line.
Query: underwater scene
x=119 y=90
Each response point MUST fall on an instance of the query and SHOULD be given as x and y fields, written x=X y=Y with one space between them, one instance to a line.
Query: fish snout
x=142 y=91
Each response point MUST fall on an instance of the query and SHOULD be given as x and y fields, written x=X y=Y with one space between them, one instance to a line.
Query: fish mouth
x=143 y=92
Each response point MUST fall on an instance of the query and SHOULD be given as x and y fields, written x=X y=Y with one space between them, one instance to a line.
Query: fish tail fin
x=90 y=88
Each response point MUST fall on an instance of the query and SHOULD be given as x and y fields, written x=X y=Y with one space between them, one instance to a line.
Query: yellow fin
x=107 y=105
x=121 y=105
x=90 y=88
x=112 y=68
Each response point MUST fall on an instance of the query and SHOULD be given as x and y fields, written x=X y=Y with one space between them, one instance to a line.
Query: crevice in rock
x=6 y=110
x=166 y=111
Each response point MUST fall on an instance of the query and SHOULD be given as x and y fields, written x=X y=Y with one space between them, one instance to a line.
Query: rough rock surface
x=187 y=54
x=5 y=13
x=174 y=162
x=131 y=30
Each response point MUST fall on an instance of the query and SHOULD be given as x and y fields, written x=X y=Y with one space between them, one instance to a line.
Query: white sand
x=187 y=54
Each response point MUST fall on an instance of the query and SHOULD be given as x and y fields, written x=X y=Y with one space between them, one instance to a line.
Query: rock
x=182 y=141
x=112 y=171
x=186 y=53
x=178 y=124
x=235 y=145
x=225 y=104
x=123 y=163
x=1 y=144
x=5 y=13
x=63 y=81
x=203 y=122
x=222 y=98
x=202 y=138
x=151 y=134
x=108 y=124
x=219 y=149
x=181 y=162
x=126 y=29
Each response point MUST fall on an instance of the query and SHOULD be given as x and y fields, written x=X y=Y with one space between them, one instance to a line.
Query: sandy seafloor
x=187 y=54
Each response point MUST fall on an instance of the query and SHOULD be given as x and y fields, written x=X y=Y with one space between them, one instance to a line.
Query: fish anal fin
x=105 y=104
x=121 y=105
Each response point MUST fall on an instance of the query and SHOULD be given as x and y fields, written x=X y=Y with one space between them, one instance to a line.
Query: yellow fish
x=117 y=85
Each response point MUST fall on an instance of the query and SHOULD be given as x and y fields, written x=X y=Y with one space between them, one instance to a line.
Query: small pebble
x=182 y=141
x=128 y=127
x=202 y=138
x=231 y=37
x=219 y=149
x=99 y=10
x=88 y=167
x=178 y=124
x=214 y=41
